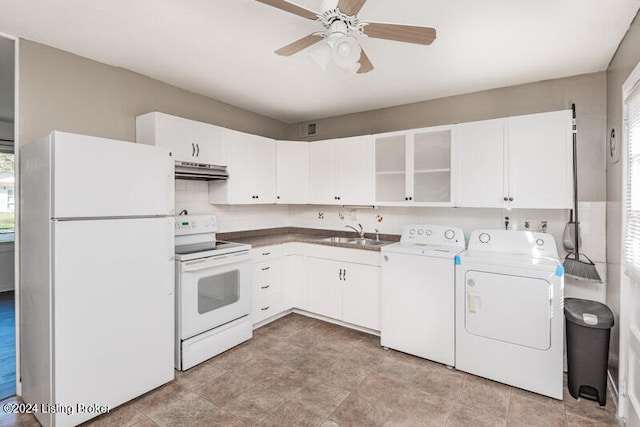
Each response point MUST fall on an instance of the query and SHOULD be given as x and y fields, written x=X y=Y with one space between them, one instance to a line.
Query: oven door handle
x=215 y=261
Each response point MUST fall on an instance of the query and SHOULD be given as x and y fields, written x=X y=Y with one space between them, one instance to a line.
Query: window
x=7 y=197
x=632 y=202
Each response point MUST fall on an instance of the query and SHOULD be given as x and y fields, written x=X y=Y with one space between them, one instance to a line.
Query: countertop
x=277 y=236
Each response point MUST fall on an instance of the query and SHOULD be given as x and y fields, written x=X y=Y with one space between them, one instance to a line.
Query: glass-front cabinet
x=391 y=169
x=414 y=167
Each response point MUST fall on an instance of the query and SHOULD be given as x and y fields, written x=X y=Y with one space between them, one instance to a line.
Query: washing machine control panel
x=440 y=235
x=514 y=242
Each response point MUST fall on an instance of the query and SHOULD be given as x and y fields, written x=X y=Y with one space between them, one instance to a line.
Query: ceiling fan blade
x=298 y=45
x=401 y=33
x=291 y=8
x=365 y=63
x=351 y=7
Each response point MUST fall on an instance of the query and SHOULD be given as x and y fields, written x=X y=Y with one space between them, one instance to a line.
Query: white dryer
x=509 y=318
x=418 y=292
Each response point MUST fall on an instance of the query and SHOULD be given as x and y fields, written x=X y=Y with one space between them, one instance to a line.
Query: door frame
x=16 y=168
x=626 y=409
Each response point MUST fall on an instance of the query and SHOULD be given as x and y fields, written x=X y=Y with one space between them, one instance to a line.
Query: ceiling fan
x=341 y=25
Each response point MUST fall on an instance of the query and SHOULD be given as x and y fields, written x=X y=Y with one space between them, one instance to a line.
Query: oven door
x=213 y=291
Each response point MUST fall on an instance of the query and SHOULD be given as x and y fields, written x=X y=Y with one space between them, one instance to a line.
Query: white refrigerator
x=96 y=288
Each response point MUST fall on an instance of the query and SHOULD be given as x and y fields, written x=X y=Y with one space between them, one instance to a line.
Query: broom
x=573 y=265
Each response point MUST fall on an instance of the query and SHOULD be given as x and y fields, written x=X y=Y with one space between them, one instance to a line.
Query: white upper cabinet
x=391 y=169
x=292 y=172
x=481 y=164
x=251 y=163
x=519 y=162
x=414 y=167
x=341 y=171
x=188 y=140
x=324 y=172
x=540 y=160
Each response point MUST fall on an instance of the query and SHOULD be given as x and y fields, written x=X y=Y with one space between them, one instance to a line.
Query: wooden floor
x=7 y=345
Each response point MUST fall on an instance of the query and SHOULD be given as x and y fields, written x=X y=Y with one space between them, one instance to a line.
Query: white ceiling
x=224 y=49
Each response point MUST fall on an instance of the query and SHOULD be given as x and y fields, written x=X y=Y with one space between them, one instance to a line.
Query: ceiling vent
x=307 y=129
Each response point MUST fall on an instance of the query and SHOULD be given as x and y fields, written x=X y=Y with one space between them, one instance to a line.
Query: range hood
x=200 y=171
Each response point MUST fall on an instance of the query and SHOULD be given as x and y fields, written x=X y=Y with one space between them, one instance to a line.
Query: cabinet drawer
x=266 y=253
x=266 y=307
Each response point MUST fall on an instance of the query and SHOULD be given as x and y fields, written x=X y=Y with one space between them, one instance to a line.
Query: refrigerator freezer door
x=113 y=320
x=97 y=177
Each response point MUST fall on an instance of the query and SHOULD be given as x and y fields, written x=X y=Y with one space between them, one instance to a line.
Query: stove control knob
x=484 y=238
x=428 y=232
x=539 y=242
x=412 y=231
x=420 y=231
x=449 y=234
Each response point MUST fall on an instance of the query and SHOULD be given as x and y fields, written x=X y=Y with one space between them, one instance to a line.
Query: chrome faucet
x=360 y=232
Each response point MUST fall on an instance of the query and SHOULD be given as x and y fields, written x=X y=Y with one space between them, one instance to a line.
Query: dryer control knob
x=449 y=234
x=539 y=242
x=484 y=238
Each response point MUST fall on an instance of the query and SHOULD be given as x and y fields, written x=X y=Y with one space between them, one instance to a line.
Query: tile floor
x=299 y=371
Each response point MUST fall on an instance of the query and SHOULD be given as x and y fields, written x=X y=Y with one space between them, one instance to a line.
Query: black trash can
x=588 y=329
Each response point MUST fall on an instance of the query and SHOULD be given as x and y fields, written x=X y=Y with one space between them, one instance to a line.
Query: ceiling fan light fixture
x=345 y=51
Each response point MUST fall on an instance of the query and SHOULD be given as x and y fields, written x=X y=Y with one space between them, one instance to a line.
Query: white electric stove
x=213 y=291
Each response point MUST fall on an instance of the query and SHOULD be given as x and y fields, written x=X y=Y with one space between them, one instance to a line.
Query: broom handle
x=575 y=178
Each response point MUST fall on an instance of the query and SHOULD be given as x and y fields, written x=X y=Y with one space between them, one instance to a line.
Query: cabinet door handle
x=193 y=149
x=266 y=253
x=340 y=275
x=265 y=268
x=265 y=287
x=265 y=308
x=344 y=274
x=511 y=199
x=197 y=150
x=506 y=198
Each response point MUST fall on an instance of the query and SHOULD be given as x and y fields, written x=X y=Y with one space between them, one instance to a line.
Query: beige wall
x=588 y=92
x=623 y=62
x=62 y=91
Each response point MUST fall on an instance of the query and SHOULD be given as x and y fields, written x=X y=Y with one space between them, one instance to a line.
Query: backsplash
x=194 y=197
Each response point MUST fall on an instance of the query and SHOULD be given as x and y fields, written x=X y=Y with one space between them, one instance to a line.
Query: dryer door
x=512 y=309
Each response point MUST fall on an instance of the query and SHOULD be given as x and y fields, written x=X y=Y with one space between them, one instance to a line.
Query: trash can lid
x=591 y=314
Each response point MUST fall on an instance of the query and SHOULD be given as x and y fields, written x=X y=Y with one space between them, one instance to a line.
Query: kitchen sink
x=339 y=239
x=356 y=241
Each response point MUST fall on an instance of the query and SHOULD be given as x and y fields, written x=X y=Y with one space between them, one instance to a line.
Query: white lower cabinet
x=294 y=280
x=361 y=296
x=344 y=291
x=325 y=287
x=338 y=283
x=267 y=295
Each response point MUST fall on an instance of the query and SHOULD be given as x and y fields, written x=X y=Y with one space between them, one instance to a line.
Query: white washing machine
x=509 y=310
x=418 y=292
